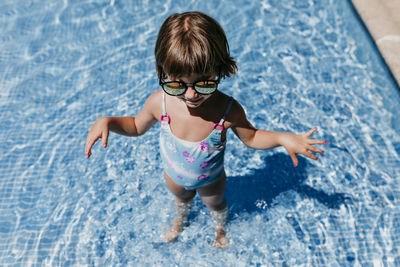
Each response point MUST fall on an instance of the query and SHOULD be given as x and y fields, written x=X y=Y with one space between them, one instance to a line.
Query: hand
x=301 y=144
x=100 y=129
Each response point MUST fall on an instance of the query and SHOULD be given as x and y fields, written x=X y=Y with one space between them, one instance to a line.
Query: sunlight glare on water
x=301 y=64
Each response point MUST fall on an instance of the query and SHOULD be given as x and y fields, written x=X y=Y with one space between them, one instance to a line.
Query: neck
x=205 y=107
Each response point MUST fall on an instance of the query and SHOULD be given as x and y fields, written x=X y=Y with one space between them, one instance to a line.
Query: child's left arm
x=261 y=139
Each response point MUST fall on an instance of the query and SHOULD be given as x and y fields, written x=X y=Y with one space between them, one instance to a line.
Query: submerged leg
x=182 y=210
x=220 y=217
x=183 y=202
x=213 y=196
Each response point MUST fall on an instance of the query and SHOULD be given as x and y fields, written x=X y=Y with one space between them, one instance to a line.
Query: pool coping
x=379 y=16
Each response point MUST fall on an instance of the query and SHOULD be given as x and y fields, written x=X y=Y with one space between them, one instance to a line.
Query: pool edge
x=380 y=20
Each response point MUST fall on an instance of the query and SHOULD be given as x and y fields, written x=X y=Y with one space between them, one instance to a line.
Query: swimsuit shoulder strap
x=227 y=110
x=164 y=111
x=221 y=122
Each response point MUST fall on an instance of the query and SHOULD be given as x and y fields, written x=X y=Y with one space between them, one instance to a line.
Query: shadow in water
x=265 y=184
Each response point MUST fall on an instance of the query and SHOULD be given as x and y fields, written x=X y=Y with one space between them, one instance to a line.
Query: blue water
x=301 y=64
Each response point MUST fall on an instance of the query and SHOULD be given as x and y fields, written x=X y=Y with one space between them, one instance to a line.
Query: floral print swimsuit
x=192 y=164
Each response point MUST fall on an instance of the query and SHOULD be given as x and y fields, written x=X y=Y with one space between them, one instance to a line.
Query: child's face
x=191 y=98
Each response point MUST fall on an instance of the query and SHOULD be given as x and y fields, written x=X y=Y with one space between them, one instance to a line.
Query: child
x=192 y=55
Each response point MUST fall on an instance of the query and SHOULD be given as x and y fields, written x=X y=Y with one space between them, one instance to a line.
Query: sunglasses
x=203 y=87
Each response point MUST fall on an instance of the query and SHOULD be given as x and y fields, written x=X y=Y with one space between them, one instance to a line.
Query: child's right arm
x=129 y=126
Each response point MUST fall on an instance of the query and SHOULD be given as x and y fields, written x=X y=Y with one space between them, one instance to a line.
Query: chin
x=193 y=105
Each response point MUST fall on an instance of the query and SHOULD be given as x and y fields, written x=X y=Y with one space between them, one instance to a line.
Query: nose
x=190 y=92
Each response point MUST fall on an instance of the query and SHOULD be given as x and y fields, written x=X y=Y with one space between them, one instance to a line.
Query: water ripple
x=301 y=64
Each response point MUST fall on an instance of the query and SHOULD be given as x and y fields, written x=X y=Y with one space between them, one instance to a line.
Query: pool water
x=301 y=64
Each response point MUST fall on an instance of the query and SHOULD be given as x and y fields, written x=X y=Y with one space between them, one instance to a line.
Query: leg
x=183 y=201
x=213 y=196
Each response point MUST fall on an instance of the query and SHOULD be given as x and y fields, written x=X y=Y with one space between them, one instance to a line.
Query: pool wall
x=383 y=23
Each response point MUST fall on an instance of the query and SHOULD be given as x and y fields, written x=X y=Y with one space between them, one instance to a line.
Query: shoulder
x=153 y=104
x=226 y=100
x=155 y=98
x=237 y=114
x=235 y=106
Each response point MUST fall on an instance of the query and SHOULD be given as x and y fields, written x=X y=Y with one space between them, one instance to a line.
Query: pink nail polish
x=294 y=164
x=322 y=152
x=325 y=142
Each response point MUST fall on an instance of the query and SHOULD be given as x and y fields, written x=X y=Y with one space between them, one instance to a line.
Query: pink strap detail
x=221 y=122
x=218 y=124
x=166 y=115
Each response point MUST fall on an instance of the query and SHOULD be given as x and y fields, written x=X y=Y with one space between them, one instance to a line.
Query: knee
x=214 y=202
x=186 y=196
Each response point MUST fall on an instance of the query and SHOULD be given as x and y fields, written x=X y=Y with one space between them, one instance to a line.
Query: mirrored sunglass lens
x=174 y=85
x=174 y=88
x=206 y=87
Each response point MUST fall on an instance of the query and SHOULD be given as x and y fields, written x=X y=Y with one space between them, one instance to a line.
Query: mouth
x=192 y=102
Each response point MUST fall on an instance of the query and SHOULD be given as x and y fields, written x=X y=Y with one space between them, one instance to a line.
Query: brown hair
x=192 y=42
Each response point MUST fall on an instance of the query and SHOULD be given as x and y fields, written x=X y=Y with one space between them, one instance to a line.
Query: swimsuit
x=192 y=164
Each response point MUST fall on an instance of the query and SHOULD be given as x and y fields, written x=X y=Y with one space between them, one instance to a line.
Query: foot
x=173 y=234
x=221 y=241
x=182 y=210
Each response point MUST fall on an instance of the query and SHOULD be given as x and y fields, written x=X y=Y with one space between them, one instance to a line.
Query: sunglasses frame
x=162 y=83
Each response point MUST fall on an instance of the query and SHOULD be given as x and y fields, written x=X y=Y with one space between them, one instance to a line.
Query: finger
x=315 y=149
x=310 y=132
x=316 y=142
x=88 y=151
x=310 y=155
x=294 y=159
x=89 y=144
x=104 y=138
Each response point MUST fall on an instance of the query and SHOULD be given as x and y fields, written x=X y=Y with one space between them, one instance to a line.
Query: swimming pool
x=301 y=64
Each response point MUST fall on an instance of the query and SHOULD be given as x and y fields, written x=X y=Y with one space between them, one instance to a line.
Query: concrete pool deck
x=382 y=19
